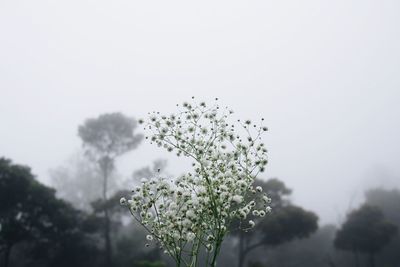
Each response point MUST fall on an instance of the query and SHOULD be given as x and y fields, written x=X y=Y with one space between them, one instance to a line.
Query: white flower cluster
x=196 y=209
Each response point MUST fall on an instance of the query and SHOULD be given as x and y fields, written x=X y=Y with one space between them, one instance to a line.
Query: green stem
x=214 y=259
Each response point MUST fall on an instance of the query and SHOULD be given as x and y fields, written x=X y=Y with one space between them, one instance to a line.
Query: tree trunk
x=107 y=238
x=245 y=248
x=372 y=259
x=105 y=167
x=7 y=254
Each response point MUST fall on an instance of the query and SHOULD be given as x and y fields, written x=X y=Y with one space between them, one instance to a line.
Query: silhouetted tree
x=285 y=223
x=388 y=201
x=31 y=214
x=365 y=231
x=315 y=250
x=105 y=138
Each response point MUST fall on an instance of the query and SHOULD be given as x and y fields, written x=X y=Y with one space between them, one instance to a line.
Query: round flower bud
x=238 y=199
x=122 y=201
x=190 y=236
x=252 y=223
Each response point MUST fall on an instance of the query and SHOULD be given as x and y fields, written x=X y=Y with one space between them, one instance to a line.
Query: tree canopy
x=285 y=223
x=105 y=138
x=30 y=213
x=365 y=230
x=109 y=135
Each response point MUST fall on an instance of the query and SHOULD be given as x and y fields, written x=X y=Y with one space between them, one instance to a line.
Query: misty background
x=324 y=75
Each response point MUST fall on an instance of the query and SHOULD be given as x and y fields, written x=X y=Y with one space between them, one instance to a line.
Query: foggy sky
x=325 y=75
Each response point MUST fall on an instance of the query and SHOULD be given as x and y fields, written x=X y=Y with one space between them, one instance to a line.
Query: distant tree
x=127 y=236
x=78 y=181
x=387 y=200
x=31 y=214
x=105 y=138
x=277 y=191
x=285 y=223
x=365 y=231
x=112 y=203
x=315 y=250
x=150 y=171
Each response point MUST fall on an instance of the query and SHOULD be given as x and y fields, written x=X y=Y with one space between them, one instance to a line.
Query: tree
x=14 y=211
x=285 y=223
x=78 y=181
x=315 y=250
x=30 y=213
x=150 y=171
x=365 y=231
x=388 y=201
x=105 y=138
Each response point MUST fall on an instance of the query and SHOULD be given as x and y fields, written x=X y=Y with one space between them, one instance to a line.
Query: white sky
x=324 y=74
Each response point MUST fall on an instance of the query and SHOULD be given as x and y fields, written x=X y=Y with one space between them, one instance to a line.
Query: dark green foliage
x=367 y=231
x=285 y=223
x=389 y=202
x=276 y=190
x=130 y=247
x=30 y=214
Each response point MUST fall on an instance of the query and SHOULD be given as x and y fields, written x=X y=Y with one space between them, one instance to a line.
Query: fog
x=323 y=74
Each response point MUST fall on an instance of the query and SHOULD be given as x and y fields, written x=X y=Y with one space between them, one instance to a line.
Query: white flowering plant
x=194 y=212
